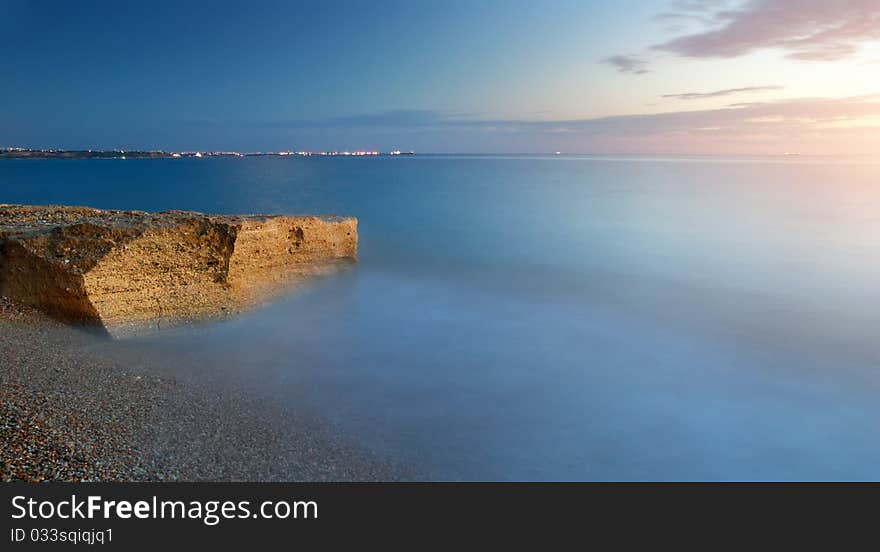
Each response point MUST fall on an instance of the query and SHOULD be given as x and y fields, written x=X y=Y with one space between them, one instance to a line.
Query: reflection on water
x=553 y=318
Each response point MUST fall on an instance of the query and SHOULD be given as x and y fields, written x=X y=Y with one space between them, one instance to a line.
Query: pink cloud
x=849 y=125
x=719 y=93
x=827 y=126
x=816 y=30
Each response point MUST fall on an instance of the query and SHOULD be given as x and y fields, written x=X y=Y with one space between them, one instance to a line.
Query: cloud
x=678 y=22
x=689 y=11
x=813 y=30
x=720 y=93
x=628 y=64
x=699 y=5
x=765 y=125
x=806 y=125
x=782 y=116
x=396 y=118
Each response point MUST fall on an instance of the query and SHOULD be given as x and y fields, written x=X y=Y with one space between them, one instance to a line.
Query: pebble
x=69 y=412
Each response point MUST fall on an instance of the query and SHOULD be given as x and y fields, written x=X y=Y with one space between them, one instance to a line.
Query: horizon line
x=409 y=152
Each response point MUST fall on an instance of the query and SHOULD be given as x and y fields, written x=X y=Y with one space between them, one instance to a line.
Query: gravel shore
x=67 y=413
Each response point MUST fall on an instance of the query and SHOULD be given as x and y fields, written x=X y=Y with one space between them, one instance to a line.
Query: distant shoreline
x=24 y=153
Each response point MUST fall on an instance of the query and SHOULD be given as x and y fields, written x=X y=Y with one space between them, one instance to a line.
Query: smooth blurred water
x=552 y=317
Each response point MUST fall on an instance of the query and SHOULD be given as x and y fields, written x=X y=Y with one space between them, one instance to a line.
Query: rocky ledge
x=123 y=270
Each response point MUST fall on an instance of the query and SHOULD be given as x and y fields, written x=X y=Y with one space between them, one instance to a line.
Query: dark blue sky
x=275 y=74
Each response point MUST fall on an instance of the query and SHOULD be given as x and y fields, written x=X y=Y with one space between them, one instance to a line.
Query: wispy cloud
x=720 y=93
x=784 y=118
x=628 y=64
x=807 y=30
x=815 y=30
x=699 y=5
x=690 y=11
x=804 y=114
x=809 y=125
x=396 y=118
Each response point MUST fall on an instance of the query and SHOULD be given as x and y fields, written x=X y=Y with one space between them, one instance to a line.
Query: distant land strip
x=26 y=153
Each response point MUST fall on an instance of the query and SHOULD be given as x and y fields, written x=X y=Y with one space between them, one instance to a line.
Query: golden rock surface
x=122 y=270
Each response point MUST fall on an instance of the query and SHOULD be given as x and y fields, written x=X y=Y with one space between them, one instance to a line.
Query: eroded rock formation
x=125 y=269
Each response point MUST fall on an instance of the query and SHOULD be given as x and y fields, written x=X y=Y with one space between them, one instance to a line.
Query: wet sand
x=68 y=412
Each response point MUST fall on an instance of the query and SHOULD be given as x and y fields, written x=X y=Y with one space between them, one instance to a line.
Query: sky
x=495 y=76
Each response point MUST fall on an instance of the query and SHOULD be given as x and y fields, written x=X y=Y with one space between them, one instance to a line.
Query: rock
x=121 y=270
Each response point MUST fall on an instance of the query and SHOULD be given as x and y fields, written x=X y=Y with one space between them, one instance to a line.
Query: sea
x=534 y=317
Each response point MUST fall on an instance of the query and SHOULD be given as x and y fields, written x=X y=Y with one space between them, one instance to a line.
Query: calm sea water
x=552 y=317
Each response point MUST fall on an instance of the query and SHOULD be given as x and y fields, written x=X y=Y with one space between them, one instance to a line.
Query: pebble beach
x=68 y=413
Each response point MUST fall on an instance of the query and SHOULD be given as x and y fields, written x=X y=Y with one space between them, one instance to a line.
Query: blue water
x=552 y=317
